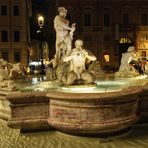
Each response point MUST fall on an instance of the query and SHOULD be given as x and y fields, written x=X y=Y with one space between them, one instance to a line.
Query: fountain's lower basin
x=93 y=113
x=75 y=113
x=105 y=107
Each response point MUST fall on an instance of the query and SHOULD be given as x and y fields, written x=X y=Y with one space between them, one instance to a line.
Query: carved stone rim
x=86 y=96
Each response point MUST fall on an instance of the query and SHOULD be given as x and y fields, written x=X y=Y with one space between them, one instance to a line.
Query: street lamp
x=40 y=31
x=40 y=21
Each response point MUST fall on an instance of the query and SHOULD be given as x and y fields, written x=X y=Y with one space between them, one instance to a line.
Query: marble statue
x=126 y=69
x=71 y=66
x=64 y=35
x=77 y=60
x=17 y=71
x=5 y=82
x=96 y=68
x=9 y=72
x=45 y=51
x=3 y=74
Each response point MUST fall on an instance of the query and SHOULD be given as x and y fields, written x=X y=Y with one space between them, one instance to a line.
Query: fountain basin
x=93 y=113
x=29 y=111
x=81 y=109
x=5 y=111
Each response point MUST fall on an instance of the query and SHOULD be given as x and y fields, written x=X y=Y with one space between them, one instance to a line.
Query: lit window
x=124 y=40
x=146 y=37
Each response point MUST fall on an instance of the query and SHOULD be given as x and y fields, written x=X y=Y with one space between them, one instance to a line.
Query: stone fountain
x=85 y=111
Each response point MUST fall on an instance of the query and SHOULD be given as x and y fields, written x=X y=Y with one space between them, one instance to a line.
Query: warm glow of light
x=78 y=89
x=34 y=80
x=143 y=76
x=88 y=89
x=28 y=70
x=125 y=40
x=35 y=63
x=108 y=83
x=106 y=57
x=40 y=20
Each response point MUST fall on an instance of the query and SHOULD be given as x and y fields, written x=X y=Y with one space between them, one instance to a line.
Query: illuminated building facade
x=14 y=30
x=109 y=27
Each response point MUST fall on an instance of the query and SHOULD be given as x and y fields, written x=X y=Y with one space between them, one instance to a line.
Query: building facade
x=109 y=27
x=14 y=30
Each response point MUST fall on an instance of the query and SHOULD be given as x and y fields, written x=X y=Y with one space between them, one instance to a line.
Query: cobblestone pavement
x=11 y=138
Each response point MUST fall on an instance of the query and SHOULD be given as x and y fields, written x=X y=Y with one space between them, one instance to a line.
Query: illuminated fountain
x=75 y=101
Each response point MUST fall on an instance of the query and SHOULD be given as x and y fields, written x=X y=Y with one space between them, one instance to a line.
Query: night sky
x=38 y=7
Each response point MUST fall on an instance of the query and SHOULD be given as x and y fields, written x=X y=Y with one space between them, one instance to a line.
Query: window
x=4 y=55
x=125 y=19
x=3 y=10
x=4 y=36
x=124 y=40
x=88 y=12
x=16 y=36
x=16 y=10
x=144 y=19
x=87 y=19
x=106 y=20
x=143 y=54
x=17 y=57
